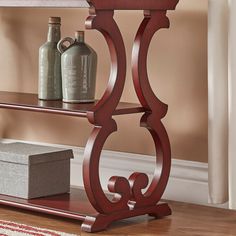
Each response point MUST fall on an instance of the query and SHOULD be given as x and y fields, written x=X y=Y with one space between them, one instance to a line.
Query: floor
x=187 y=219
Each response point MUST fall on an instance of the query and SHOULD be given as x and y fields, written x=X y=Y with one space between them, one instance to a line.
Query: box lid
x=28 y=154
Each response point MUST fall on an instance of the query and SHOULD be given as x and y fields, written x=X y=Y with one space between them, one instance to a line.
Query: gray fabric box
x=32 y=171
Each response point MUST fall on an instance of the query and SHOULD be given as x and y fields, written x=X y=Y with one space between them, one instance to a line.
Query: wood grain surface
x=30 y=102
x=100 y=4
x=187 y=219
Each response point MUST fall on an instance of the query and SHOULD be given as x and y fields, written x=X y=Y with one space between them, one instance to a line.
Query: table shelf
x=30 y=102
x=74 y=205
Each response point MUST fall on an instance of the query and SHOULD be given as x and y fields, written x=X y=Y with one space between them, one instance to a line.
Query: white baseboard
x=188 y=180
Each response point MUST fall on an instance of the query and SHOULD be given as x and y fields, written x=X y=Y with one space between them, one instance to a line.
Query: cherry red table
x=92 y=206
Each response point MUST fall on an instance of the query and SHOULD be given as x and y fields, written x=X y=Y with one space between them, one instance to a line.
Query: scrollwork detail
x=128 y=193
x=151 y=120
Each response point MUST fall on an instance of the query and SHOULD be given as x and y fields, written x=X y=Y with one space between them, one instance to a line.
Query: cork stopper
x=79 y=36
x=54 y=20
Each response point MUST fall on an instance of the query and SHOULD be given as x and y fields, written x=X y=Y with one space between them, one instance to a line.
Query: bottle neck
x=79 y=38
x=54 y=33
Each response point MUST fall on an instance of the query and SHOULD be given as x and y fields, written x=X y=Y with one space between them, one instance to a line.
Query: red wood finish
x=74 y=205
x=133 y=4
x=126 y=198
x=153 y=21
x=30 y=102
x=100 y=222
x=101 y=117
x=131 y=199
x=103 y=22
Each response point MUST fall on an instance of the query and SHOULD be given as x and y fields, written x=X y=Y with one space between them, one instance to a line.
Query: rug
x=8 y=228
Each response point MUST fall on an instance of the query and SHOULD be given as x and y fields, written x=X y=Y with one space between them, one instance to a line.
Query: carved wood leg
x=153 y=21
x=101 y=222
x=101 y=117
x=131 y=200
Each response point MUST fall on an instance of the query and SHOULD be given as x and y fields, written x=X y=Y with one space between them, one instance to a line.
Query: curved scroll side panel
x=162 y=168
x=91 y=178
x=103 y=22
x=101 y=115
x=129 y=192
x=153 y=21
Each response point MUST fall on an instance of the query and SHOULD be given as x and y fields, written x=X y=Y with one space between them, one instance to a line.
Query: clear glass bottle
x=79 y=66
x=50 y=84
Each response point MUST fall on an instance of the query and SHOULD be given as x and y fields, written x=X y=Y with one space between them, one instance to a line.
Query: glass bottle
x=79 y=67
x=50 y=84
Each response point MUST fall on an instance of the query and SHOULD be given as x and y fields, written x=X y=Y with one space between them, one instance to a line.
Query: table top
x=98 y=4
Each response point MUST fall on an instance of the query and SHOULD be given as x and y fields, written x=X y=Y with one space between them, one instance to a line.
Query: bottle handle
x=62 y=47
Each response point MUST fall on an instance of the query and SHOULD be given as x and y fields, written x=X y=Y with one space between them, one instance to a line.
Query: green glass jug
x=79 y=67
x=50 y=85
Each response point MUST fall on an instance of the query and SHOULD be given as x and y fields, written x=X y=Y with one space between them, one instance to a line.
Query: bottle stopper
x=54 y=20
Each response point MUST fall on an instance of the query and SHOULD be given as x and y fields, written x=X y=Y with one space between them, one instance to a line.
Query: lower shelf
x=74 y=205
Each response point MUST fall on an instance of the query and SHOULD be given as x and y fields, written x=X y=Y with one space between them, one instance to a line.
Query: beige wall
x=177 y=69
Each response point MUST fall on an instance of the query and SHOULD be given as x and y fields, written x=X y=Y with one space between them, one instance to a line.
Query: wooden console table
x=92 y=206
